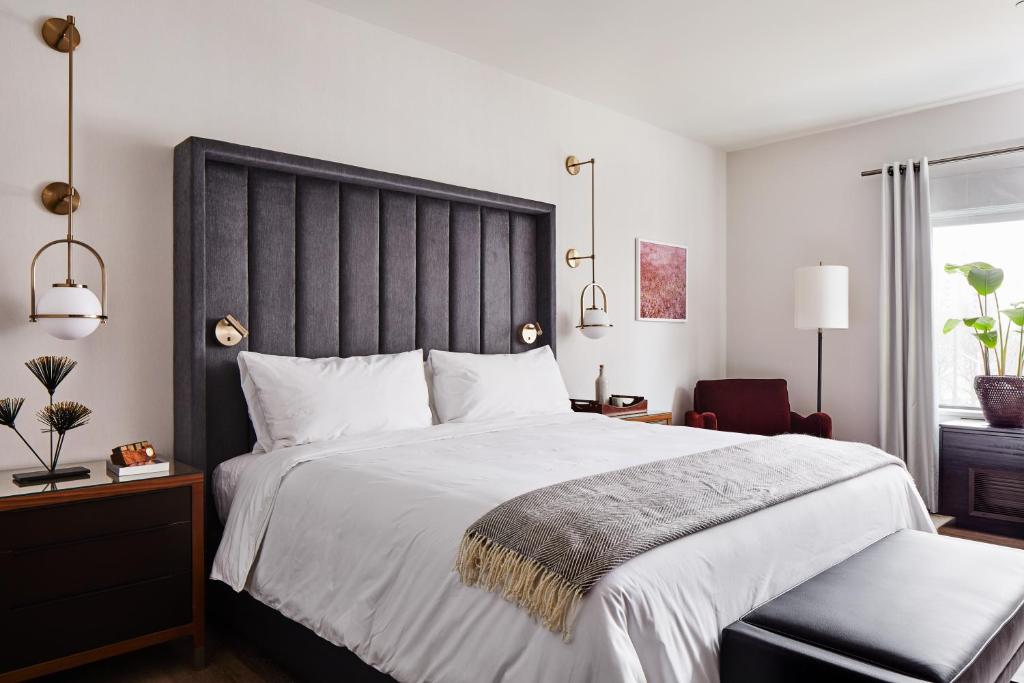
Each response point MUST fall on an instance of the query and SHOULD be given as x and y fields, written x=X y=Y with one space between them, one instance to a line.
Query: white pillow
x=302 y=400
x=470 y=387
x=259 y=425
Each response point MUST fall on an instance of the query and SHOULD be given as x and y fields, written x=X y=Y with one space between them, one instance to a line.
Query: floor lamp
x=822 y=302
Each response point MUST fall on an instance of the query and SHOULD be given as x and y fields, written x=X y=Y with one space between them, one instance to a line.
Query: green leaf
x=1015 y=314
x=966 y=268
x=989 y=339
x=982 y=324
x=950 y=325
x=985 y=280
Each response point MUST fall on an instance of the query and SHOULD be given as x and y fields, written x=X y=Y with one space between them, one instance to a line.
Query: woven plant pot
x=1002 y=399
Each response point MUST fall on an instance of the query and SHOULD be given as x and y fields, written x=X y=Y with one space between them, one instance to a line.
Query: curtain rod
x=949 y=160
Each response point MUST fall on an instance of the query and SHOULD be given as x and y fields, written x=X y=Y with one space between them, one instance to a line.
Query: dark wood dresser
x=981 y=476
x=95 y=567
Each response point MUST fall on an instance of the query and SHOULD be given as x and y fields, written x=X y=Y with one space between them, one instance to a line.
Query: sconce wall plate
x=55 y=198
x=229 y=331
x=56 y=31
x=529 y=332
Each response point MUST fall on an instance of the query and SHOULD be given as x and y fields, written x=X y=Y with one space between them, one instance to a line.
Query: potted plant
x=1001 y=389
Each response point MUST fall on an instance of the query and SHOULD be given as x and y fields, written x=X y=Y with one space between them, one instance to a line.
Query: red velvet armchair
x=751 y=406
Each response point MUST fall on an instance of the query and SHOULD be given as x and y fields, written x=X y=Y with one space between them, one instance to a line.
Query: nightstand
x=652 y=418
x=92 y=568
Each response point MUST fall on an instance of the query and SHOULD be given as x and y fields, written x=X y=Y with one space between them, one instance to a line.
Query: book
x=156 y=466
x=135 y=477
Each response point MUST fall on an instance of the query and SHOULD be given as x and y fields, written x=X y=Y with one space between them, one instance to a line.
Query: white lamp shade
x=598 y=317
x=69 y=301
x=822 y=298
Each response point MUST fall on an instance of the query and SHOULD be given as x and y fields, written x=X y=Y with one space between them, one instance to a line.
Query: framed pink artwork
x=660 y=281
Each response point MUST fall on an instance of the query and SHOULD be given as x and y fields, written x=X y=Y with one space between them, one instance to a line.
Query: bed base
x=288 y=643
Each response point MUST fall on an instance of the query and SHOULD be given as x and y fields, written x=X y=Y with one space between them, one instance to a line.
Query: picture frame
x=661 y=282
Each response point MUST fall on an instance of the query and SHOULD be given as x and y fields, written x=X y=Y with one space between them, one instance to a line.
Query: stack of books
x=157 y=467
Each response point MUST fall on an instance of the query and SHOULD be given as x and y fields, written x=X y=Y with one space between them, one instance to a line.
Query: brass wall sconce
x=69 y=310
x=529 y=332
x=229 y=331
x=594 y=321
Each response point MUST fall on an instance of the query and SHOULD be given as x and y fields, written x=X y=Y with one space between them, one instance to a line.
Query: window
x=977 y=215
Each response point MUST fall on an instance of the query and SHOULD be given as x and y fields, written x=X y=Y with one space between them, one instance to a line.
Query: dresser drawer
x=971 y=443
x=46 y=526
x=62 y=627
x=65 y=569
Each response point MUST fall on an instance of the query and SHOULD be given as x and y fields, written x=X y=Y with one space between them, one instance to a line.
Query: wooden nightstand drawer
x=58 y=571
x=43 y=526
x=64 y=627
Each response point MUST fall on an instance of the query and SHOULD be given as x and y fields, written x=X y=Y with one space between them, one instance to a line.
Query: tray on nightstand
x=636 y=405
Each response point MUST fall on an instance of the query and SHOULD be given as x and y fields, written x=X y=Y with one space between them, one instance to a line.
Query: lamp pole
x=819 y=370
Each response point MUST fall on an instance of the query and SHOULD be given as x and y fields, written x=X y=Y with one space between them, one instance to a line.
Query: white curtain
x=908 y=410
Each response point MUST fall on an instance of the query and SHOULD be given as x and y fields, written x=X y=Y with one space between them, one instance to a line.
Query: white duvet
x=356 y=540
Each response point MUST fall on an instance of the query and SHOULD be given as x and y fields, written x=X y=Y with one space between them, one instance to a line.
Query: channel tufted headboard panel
x=323 y=259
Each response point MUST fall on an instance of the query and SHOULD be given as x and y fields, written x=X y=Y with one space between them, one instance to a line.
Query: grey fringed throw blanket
x=545 y=549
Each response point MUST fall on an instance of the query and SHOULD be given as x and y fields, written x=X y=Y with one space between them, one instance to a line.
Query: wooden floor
x=229 y=660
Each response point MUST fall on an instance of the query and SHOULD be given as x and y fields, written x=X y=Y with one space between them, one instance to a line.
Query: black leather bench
x=912 y=607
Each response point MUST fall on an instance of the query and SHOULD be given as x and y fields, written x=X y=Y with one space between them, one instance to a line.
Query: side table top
x=98 y=476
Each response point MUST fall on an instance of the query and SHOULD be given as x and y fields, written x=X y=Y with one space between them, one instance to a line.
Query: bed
x=344 y=549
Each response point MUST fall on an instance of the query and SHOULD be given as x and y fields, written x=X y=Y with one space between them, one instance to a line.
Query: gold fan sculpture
x=58 y=418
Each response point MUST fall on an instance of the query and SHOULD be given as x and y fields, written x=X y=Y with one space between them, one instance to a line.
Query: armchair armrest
x=815 y=424
x=700 y=420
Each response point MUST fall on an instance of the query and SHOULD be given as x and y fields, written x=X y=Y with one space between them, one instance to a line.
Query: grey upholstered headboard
x=324 y=259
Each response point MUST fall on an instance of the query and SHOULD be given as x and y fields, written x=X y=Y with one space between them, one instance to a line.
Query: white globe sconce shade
x=77 y=308
x=594 y=321
x=69 y=310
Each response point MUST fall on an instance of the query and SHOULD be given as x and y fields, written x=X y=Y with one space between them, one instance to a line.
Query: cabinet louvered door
x=997 y=494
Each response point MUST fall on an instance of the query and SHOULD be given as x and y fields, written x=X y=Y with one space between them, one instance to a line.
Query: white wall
x=801 y=201
x=293 y=76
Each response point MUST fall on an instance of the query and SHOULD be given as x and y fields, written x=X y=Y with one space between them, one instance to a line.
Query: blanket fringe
x=544 y=594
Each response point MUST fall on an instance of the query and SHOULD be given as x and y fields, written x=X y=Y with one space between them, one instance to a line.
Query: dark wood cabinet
x=95 y=567
x=981 y=477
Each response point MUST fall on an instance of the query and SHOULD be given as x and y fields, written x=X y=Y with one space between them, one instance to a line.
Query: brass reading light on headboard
x=529 y=332
x=594 y=321
x=229 y=331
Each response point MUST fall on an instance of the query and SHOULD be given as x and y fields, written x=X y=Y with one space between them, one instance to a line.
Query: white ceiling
x=732 y=73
